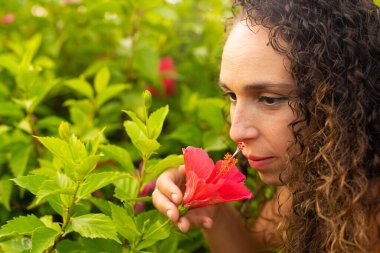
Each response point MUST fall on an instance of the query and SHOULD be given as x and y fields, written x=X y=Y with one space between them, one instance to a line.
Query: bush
x=74 y=70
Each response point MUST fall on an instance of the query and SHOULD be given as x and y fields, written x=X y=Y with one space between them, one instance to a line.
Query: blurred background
x=53 y=51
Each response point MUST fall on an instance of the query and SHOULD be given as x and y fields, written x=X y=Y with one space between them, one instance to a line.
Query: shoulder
x=271 y=215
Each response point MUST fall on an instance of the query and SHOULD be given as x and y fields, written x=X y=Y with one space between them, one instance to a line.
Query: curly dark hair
x=334 y=50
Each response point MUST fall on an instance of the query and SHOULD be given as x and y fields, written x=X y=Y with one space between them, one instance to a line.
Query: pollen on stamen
x=239 y=148
x=228 y=162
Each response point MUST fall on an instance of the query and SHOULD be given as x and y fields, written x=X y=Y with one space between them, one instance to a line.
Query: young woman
x=303 y=78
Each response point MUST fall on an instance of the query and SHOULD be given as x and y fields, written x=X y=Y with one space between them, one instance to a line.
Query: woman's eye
x=272 y=100
x=231 y=96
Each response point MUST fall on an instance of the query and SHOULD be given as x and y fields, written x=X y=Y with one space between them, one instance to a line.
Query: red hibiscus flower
x=208 y=184
x=167 y=71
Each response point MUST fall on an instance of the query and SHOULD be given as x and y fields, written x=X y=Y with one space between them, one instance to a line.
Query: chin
x=271 y=179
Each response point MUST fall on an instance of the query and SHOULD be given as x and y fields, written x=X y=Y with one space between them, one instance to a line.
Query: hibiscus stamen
x=229 y=160
x=239 y=148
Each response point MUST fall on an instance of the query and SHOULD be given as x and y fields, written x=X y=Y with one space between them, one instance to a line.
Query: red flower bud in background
x=208 y=184
x=166 y=71
x=7 y=19
x=148 y=189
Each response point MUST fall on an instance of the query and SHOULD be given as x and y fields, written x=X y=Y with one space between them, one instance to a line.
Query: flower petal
x=233 y=174
x=191 y=184
x=197 y=160
x=231 y=191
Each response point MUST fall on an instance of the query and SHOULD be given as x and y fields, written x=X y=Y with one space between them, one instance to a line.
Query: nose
x=242 y=123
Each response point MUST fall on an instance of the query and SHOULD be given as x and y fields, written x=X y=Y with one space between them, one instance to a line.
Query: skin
x=256 y=80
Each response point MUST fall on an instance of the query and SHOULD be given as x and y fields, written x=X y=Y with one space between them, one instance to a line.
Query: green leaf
x=58 y=147
x=187 y=134
x=124 y=223
x=147 y=146
x=42 y=239
x=19 y=244
x=137 y=120
x=95 y=226
x=31 y=182
x=169 y=245
x=68 y=246
x=6 y=191
x=154 y=171
x=377 y=2
x=77 y=149
x=81 y=86
x=155 y=226
x=133 y=130
x=48 y=221
x=22 y=225
x=19 y=159
x=99 y=180
x=61 y=184
x=211 y=111
x=144 y=145
x=156 y=121
x=9 y=62
x=120 y=156
x=8 y=109
x=87 y=245
x=56 y=204
x=110 y=92
x=102 y=205
x=145 y=60
x=126 y=188
x=86 y=166
x=213 y=141
x=159 y=229
x=38 y=91
x=93 y=144
x=102 y=78
x=32 y=46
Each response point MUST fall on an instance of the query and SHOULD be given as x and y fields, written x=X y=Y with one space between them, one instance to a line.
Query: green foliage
x=80 y=147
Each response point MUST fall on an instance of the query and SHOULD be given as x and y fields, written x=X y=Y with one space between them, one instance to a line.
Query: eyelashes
x=230 y=95
x=266 y=100
x=273 y=100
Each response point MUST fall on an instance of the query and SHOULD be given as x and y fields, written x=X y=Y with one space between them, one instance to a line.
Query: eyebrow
x=261 y=86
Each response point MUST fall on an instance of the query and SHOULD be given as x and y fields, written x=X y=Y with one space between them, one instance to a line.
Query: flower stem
x=183 y=209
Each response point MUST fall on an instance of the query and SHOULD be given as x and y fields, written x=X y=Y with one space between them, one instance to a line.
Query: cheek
x=284 y=135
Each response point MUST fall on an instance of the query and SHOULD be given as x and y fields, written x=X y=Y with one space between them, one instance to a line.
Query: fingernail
x=175 y=197
x=180 y=226
x=169 y=213
x=206 y=224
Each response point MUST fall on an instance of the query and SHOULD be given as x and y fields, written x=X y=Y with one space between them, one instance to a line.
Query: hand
x=168 y=195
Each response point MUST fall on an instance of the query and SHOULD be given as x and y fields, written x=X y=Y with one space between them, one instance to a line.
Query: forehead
x=248 y=58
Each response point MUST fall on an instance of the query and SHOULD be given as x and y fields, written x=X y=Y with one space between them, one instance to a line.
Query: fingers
x=169 y=185
x=168 y=195
x=192 y=219
x=165 y=205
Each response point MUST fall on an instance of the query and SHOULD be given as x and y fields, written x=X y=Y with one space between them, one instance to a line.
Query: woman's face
x=255 y=79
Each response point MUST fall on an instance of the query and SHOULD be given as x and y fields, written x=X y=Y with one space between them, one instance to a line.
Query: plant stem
x=66 y=219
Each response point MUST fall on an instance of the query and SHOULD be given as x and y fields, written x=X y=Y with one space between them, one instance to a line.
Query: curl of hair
x=334 y=49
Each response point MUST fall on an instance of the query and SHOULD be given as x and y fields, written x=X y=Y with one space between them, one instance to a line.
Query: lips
x=258 y=162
